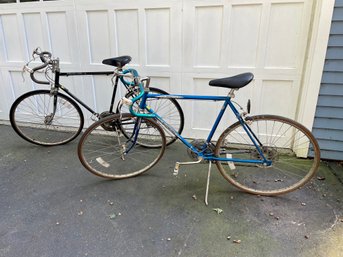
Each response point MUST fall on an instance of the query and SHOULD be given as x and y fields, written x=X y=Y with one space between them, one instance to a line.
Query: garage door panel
x=128 y=43
x=284 y=34
x=162 y=83
x=34 y=31
x=245 y=22
x=278 y=94
x=99 y=39
x=12 y=37
x=158 y=36
x=60 y=35
x=208 y=22
x=18 y=85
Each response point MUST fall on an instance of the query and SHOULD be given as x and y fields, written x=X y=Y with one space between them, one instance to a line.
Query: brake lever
x=37 y=51
x=26 y=68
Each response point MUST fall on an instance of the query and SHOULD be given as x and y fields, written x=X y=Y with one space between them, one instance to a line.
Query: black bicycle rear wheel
x=33 y=118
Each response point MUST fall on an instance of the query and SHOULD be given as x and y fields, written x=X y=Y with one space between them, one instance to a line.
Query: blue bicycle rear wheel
x=291 y=148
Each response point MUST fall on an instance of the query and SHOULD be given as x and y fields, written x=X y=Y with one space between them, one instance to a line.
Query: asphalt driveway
x=51 y=206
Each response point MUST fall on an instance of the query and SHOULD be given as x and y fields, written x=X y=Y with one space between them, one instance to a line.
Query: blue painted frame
x=144 y=95
x=227 y=102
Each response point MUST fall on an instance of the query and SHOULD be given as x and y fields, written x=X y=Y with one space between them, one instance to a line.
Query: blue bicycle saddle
x=119 y=62
x=237 y=81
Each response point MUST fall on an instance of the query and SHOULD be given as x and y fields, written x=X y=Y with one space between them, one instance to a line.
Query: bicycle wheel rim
x=101 y=150
x=285 y=142
x=32 y=118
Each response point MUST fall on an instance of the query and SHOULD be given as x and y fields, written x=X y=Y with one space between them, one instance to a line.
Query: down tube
x=173 y=131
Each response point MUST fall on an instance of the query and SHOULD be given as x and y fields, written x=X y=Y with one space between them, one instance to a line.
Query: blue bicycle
x=263 y=154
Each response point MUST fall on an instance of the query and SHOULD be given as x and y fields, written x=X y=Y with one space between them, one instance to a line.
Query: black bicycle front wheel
x=46 y=119
x=291 y=147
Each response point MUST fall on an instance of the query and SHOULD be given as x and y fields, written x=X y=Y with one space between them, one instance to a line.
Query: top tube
x=143 y=95
x=189 y=97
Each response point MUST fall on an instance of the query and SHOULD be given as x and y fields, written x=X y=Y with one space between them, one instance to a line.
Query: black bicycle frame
x=59 y=74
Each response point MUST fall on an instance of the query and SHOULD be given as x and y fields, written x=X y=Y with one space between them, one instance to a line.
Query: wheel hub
x=48 y=119
x=269 y=152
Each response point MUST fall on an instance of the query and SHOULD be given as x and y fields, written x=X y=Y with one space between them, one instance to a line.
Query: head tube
x=142 y=96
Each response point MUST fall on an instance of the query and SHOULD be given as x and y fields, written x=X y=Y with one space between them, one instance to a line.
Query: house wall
x=328 y=123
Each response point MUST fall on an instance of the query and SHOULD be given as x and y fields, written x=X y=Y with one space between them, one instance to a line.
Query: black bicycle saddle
x=237 y=81
x=119 y=62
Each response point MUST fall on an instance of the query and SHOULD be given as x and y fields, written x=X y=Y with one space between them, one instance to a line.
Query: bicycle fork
x=133 y=139
x=49 y=117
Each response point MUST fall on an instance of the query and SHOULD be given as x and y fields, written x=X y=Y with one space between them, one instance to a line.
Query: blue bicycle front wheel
x=106 y=151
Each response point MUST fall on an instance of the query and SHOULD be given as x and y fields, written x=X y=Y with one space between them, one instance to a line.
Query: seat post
x=231 y=94
x=114 y=93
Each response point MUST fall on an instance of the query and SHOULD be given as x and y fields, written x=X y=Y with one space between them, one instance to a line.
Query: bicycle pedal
x=177 y=165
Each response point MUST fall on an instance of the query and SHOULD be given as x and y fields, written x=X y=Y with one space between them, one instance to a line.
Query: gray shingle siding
x=328 y=123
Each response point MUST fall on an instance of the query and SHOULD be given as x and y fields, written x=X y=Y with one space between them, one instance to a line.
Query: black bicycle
x=48 y=117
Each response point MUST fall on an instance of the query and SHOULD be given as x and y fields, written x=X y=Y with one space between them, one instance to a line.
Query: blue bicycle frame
x=143 y=96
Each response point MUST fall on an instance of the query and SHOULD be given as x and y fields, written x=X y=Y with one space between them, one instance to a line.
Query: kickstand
x=176 y=172
x=208 y=182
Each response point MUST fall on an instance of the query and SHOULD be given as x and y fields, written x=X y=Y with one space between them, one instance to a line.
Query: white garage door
x=180 y=44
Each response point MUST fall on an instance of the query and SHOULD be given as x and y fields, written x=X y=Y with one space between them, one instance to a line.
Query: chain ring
x=198 y=144
x=106 y=126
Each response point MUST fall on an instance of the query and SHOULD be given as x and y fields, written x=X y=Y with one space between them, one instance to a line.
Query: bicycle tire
x=101 y=150
x=31 y=118
x=169 y=109
x=284 y=141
